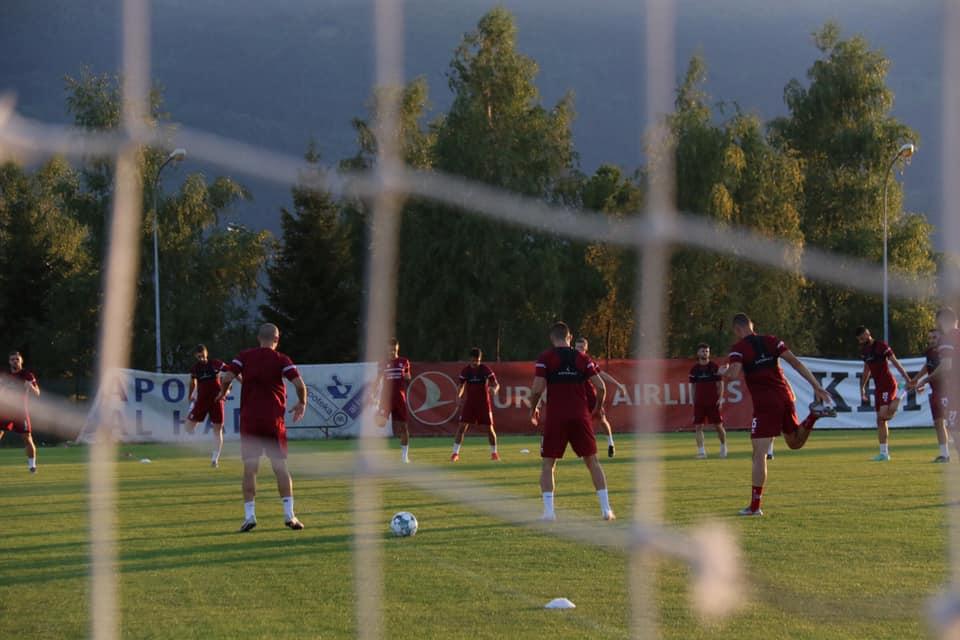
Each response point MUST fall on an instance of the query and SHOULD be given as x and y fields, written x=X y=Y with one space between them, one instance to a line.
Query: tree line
x=813 y=177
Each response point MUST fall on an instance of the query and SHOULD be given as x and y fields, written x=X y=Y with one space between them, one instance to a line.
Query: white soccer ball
x=404 y=524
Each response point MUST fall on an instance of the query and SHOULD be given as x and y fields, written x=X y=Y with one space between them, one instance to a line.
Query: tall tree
x=842 y=129
x=317 y=249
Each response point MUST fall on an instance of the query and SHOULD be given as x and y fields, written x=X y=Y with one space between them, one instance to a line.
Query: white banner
x=140 y=406
x=842 y=379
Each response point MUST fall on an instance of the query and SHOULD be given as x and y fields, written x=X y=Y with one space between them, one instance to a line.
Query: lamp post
x=175 y=155
x=905 y=151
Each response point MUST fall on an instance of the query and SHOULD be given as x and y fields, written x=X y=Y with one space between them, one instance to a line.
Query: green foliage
x=314 y=294
x=841 y=128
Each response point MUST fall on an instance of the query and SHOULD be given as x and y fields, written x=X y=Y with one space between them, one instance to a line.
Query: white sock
x=456 y=447
x=610 y=440
x=945 y=451
x=702 y=451
x=770 y=450
x=723 y=448
x=215 y=456
x=404 y=452
x=884 y=450
x=493 y=448
x=31 y=463
x=604 y=501
x=288 y=508
x=248 y=510
x=548 y=503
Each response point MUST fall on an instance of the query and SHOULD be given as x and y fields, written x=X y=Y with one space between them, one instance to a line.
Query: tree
x=841 y=128
x=321 y=319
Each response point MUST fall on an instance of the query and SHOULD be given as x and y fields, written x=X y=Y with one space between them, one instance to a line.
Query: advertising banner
x=144 y=406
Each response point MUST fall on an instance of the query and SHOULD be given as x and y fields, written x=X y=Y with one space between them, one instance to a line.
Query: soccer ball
x=404 y=524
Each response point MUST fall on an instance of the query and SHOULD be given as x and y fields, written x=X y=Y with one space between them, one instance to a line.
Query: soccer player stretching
x=757 y=357
x=582 y=346
x=478 y=382
x=263 y=400
x=19 y=380
x=875 y=355
x=204 y=389
x=924 y=377
x=394 y=376
x=707 y=398
x=561 y=372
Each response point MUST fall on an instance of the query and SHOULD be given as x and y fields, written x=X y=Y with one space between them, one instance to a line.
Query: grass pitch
x=849 y=548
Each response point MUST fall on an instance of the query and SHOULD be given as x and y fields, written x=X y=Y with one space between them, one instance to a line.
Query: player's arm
x=720 y=389
x=864 y=380
x=609 y=378
x=536 y=395
x=31 y=386
x=597 y=381
x=192 y=388
x=729 y=372
x=494 y=384
x=819 y=392
x=226 y=379
x=920 y=381
x=301 y=407
x=899 y=367
x=407 y=375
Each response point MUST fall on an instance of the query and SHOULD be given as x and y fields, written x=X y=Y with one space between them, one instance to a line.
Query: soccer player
x=583 y=346
x=394 y=377
x=263 y=401
x=561 y=371
x=477 y=381
x=19 y=380
x=947 y=376
x=757 y=358
x=204 y=389
x=707 y=398
x=923 y=377
x=875 y=354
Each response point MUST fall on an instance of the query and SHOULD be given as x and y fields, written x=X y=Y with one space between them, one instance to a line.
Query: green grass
x=849 y=548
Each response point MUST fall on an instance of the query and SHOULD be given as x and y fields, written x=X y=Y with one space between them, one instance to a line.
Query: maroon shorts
x=265 y=437
x=578 y=432
x=773 y=416
x=937 y=406
x=397 y=407
x=206 y=406
x=17 y=426
x=709 y=414
x=476 y=415
x=884 y=397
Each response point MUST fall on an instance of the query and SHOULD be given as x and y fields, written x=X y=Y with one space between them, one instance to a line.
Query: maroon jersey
x=760 y=357
x=705 y=378
x=875 y=356
x=263 y=396
x=477 y=382
x=15 y=382
x=207 y=375
x=566 y=370
x=395 y=373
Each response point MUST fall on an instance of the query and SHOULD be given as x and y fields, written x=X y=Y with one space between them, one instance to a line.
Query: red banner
x=432 y=396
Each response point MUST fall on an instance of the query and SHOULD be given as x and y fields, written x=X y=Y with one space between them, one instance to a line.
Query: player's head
x=476 y=355
x=581 y=344
x=16 y=361
x=268 y=336
x=200 y=352
x=560 y=334
x=933 y=338
x=863 y=335
x=946 y=319
x=742 y=325
x=703 y=352
x=393 y=347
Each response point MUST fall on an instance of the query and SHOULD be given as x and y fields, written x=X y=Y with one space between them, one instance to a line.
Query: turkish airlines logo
x=432 y=398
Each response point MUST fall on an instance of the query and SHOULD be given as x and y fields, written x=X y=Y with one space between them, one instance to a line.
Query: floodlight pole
x=175 y=155
x=905 y=151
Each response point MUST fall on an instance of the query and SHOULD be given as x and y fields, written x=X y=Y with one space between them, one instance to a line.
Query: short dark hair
x=948 y=313
x=560 y=331
x=859 y=331
x=583 y=339
x=476 y=353
x=15 y=353
x=742 y=320
x=702 y=345
x=200 y=348
x=393 y=342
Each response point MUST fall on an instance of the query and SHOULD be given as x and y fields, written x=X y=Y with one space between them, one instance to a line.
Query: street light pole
x=176 y=154
x=905 y=151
